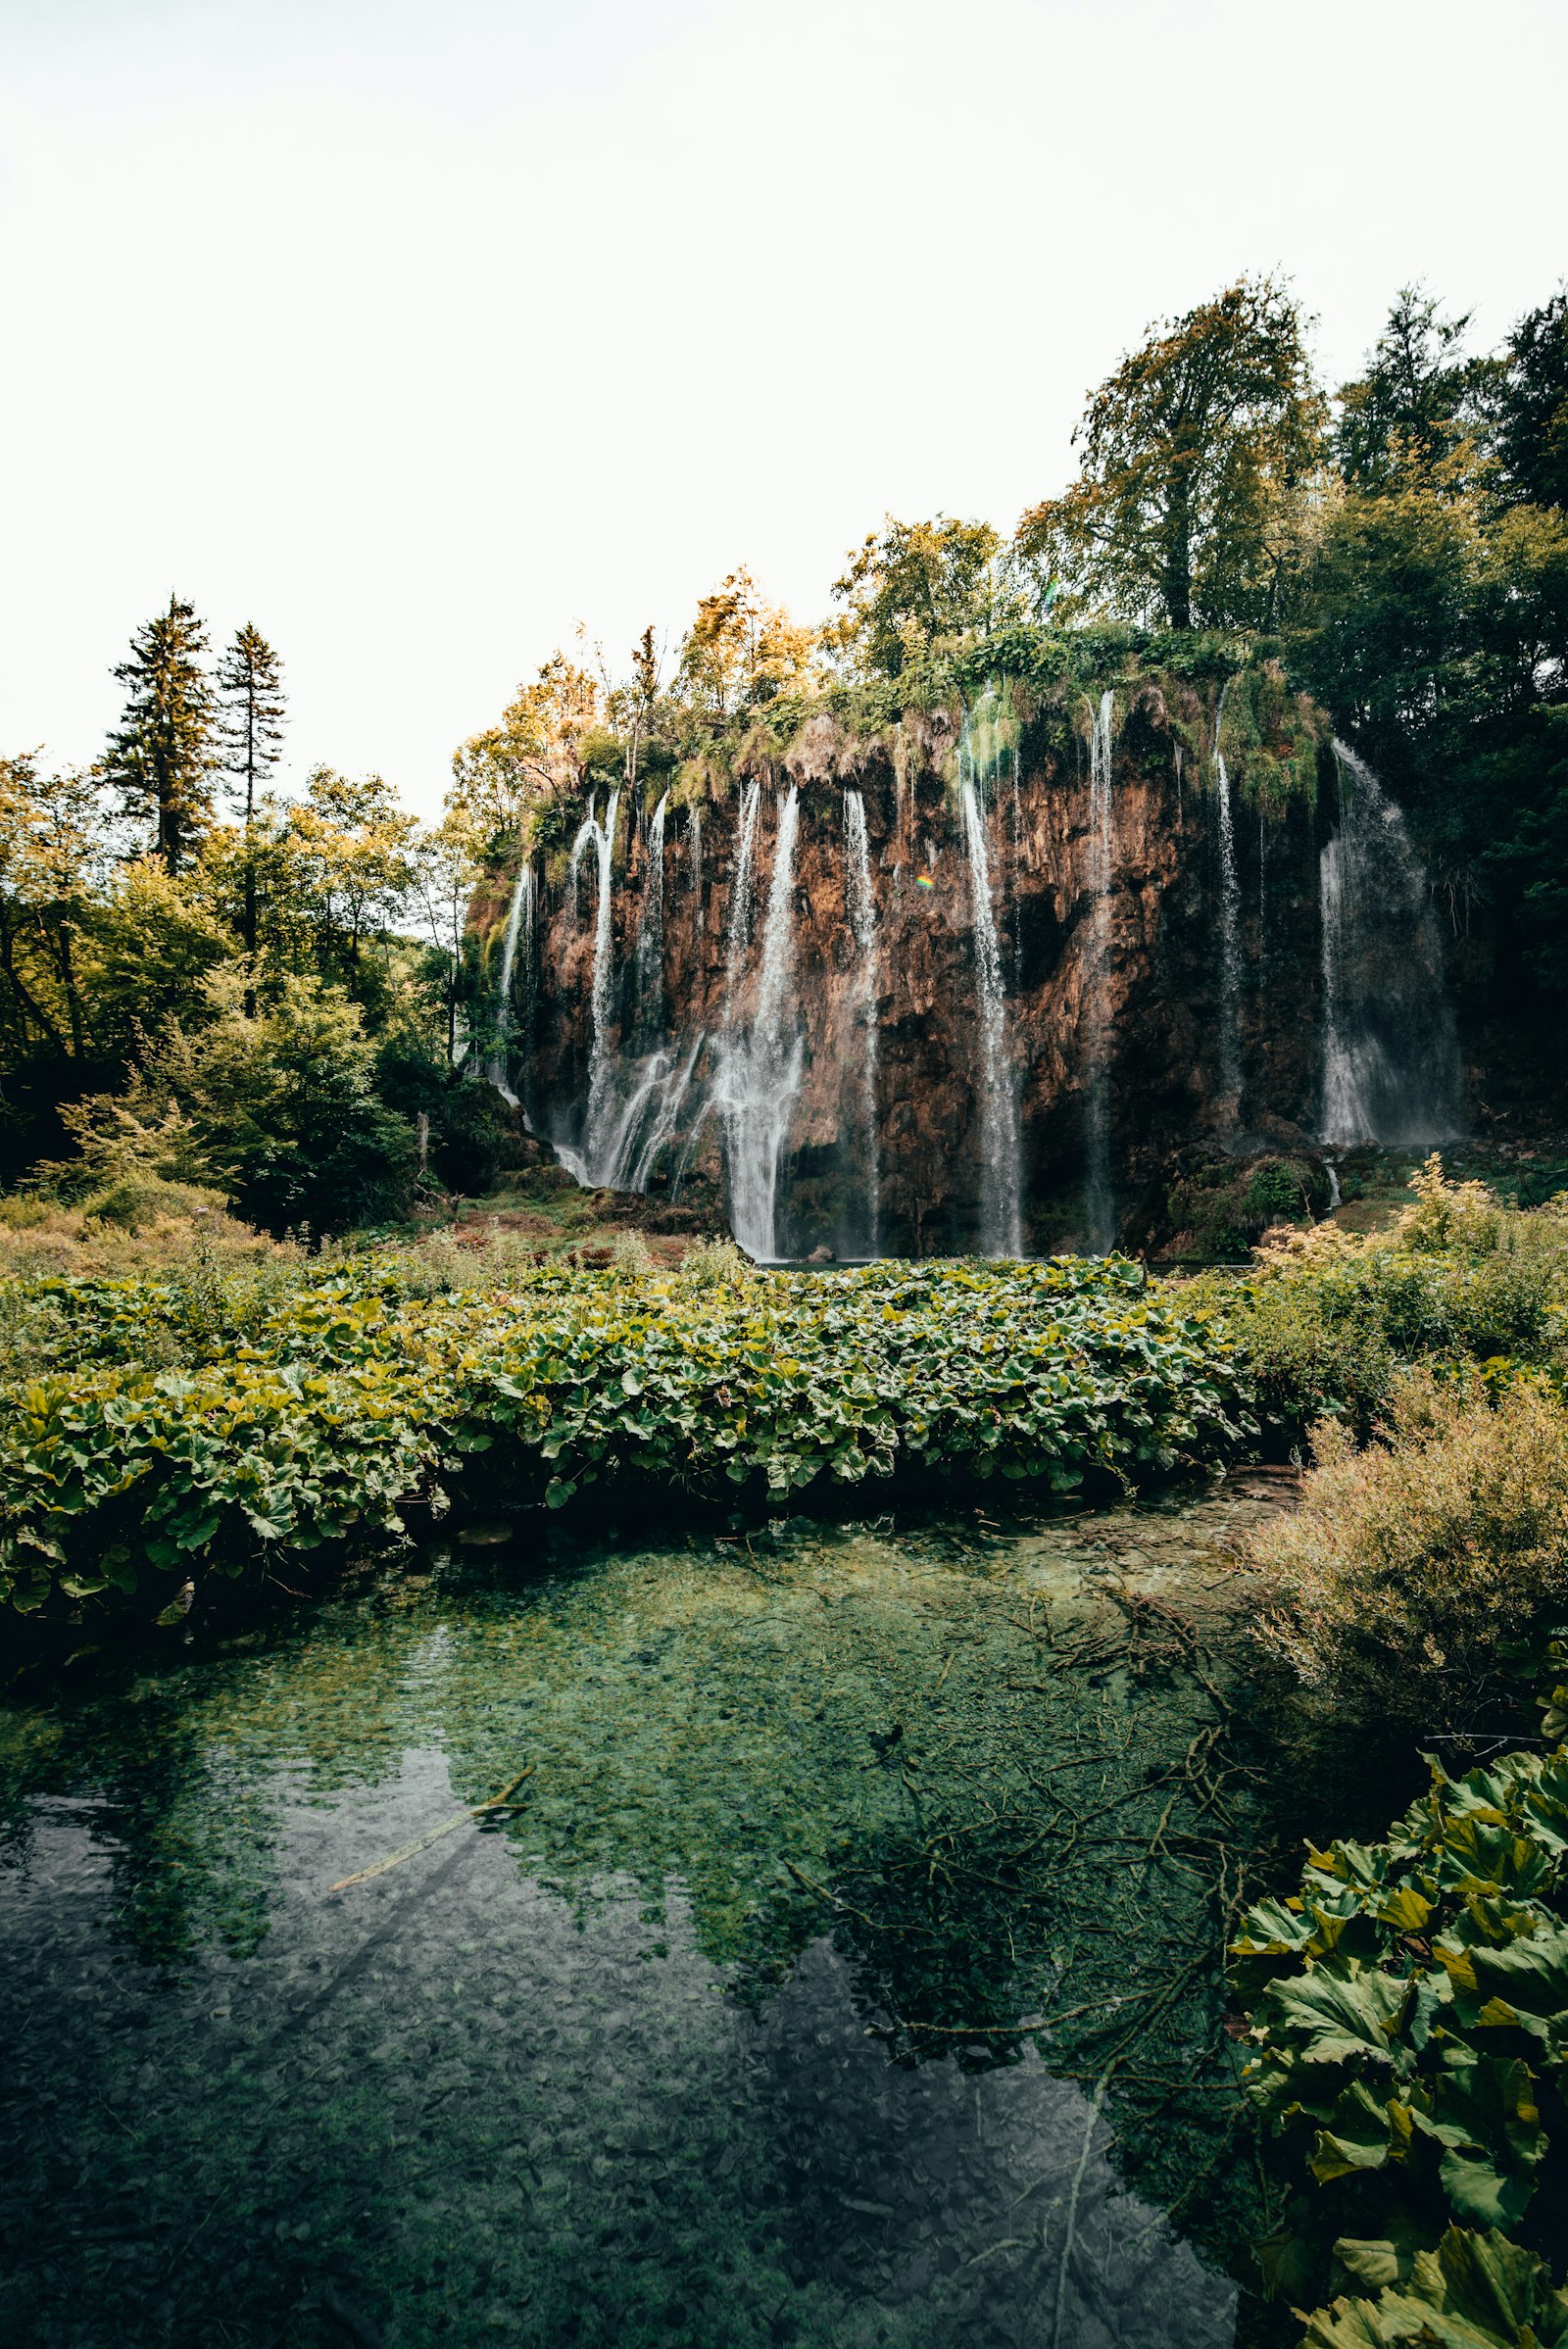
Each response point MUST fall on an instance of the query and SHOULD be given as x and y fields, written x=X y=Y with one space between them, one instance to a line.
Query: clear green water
x=711 y=2039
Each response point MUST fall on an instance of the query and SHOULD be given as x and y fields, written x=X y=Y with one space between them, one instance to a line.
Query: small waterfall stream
x=741 y=888
x=860 y=906
x=1230 y=922
x=588 y=1162
x=1391 y=1055
x=651 y=931
x=520 y=925
x=1099 y=1206
x=1001 y=1173
x=759 y=1065
x=694 y=829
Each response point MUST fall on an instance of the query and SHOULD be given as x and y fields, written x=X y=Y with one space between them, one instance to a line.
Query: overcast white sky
x=419 y=330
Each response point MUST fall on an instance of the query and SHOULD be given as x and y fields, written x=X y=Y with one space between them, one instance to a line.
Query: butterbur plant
x=338 y=1403
x=1409 y=2028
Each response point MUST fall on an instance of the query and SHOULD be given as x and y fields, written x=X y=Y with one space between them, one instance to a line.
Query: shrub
x=1415 y=1569
x=39 y=1237
x=1328 y=1317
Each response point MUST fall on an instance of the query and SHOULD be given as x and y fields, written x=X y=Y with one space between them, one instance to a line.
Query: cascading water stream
x=651 y=931
x=520 y=921
x=759 y=1066
x=1391 y=1056
x=1001 y=1184
x=1230 y=912
x=694 y=828
x=862 y=909
x=1099 y=1200
x=740 y=892
x=587 y=1162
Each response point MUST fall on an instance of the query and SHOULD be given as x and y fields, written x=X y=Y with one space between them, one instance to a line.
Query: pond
x=841 y=1966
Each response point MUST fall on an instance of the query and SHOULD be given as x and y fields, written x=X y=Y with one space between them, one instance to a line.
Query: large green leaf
x=1475 y=2292
x=1330 y=2016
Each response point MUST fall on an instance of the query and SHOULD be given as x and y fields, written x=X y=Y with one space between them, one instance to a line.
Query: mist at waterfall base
x=757 y=1058
x=1390 y=1051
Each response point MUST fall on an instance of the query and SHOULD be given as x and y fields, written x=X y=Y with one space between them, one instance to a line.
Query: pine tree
x=250 y=679
x=162 y=758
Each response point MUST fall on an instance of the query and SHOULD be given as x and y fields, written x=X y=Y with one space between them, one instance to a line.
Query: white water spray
x=862 y=909
x=651 y=930
x=758 y=1067
x=587 y=1163
x=1099 y=1199
x=1230 y=912
x=1391 y=1057
x=740 y=891
x=1001 y=1212
x=520 y=925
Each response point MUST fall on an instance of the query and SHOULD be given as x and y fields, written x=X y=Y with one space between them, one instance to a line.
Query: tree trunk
x=1179 y=553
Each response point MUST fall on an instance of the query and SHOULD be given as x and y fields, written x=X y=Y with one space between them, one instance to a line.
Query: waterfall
x=1230 y=912
x=589 y=1164
x=520 y=920
x=694 y=826
x=651 y=930
x=1001 y=1213
x=740 y=889
x=758 y=1067
x=1100 y=1205
x=1391 y=1055
x=861 y=906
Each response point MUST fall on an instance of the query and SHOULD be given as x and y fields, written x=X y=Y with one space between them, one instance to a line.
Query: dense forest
x=283 y=1000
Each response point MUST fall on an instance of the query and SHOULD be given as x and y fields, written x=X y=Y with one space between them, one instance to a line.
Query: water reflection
x=711 y=2040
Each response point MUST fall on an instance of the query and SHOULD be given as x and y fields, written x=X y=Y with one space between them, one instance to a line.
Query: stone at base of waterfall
x=820 y=1256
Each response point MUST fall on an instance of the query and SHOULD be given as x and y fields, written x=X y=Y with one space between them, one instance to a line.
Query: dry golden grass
x=1419 y=1573
x=39 y=1237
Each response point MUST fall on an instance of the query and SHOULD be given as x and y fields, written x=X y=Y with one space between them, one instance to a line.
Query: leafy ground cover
x=151 y=1429
x=1411 y=2021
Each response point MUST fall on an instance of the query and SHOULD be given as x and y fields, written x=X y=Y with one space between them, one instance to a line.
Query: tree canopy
x=1197 y=453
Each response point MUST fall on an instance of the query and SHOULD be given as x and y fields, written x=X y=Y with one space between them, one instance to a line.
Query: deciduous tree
x=1196 y=453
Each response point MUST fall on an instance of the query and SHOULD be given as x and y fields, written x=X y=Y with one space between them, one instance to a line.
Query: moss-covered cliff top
x=1025 y=693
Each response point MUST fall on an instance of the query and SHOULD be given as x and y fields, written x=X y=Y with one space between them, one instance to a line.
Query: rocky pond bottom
x=843 y=1967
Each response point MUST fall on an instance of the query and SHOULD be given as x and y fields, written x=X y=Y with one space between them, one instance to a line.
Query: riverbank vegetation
x=1409 y=2001
x=164 y=1429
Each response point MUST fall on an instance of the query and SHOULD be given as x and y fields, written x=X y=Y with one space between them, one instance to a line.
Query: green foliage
x=1419 y=401
x=285 y=1104
x=350 y=1398
x=1197 y=454
x=161 y=759
x=1328 y=1317
x=915 y=591
x=1217 y=1210
x=1474 y=2291
x=1530 y=407
x=1411 y=2021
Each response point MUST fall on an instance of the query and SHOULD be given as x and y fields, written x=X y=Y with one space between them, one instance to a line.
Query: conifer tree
x=161 y=761
x=250 y=679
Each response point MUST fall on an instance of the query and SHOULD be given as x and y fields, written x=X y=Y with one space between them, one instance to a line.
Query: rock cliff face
x=893 y=992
